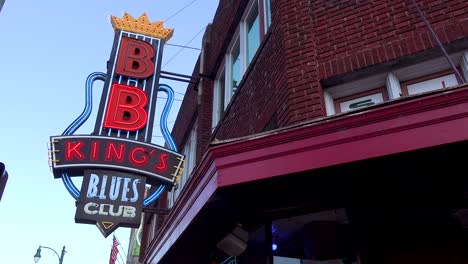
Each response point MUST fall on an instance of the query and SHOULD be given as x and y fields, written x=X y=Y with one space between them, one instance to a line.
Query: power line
x=180 y=100
x=167 y=19
x=121 y=259
x=183 y=48
x=118 y=260
x=123 y=250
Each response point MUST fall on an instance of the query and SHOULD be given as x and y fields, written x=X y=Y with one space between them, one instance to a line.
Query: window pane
x=267 y=13
x=221 y=89
x=219 y=97
x=361 y=102
x=253 y=34
x=432 y=84
x=236 y=68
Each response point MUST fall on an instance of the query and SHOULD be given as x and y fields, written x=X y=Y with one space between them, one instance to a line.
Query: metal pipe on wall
x=459 y=76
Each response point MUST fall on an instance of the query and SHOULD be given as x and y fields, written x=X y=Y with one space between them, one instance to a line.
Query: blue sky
x=47 y=50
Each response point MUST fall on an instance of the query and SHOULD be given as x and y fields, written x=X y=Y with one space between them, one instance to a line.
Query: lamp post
x=37 y=256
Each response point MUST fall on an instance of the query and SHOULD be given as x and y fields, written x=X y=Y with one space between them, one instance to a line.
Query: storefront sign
x=110 y=199
x=77 y=153
x=118 y=159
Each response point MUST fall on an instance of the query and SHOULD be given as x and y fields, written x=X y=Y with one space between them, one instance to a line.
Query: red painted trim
x=202 y=186
x=376 y=131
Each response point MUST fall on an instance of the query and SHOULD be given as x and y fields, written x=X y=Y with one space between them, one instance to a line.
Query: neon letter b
x=126 y=108
x=135 y=58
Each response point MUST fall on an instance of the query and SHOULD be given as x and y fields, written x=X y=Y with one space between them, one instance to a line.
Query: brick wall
x=205 y=96
x=197 y=105
x=187 y=112
x=355 y=34
x=310 y=41
x=321 y=39
x=304 y=94
x=261 y=91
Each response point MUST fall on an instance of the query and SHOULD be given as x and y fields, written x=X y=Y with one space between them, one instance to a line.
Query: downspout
x=460 y=77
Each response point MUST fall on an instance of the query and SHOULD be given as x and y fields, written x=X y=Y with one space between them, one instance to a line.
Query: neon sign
x=118 y=159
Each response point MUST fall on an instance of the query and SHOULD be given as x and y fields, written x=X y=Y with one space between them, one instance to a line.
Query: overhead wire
x=166 y=98
x=173 y=15
x=123 y=250
x=182 y=46
x=167 y=62
x=179 y=93
x=121 y=258
x=118 y=260
x=186 y=45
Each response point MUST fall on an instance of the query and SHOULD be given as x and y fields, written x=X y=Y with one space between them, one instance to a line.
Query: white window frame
x=153 y=226
x=464 y=65
x=410 y=87
x=240 y=38
x=376 y=96
x=217 y=112
x=244 y=31
x=190 y=153
x=397 y=80
x=267 y=15
x=348 y=90
x=228 y=92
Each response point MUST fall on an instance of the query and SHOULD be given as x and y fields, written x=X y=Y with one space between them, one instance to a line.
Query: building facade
x=322 y=132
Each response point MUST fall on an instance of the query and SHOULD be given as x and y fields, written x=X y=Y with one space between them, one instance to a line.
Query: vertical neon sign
x=118 y=159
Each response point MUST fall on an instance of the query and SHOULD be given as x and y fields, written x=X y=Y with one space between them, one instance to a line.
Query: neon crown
x=142 y=25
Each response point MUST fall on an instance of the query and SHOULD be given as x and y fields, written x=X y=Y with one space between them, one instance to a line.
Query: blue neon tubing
x=167 y=136
x=78 y=122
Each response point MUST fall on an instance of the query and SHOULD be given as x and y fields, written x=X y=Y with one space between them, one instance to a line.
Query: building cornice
x=397 y=126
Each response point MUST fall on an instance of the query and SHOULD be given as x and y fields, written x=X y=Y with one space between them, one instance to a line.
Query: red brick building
x=322 y=132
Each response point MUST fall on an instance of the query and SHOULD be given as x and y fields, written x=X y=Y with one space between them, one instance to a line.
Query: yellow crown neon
x=142 y=25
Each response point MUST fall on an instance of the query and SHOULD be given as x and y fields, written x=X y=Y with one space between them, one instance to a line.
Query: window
x=464 y=65
x=235 y=67
x=153 y=225
x=360 y=100
x=410 y=80
x=356 y=94
x=429 y=83
x=189 y=151
x=253 y=33
x=219 y=97
x=254 y=23
x=267 y=14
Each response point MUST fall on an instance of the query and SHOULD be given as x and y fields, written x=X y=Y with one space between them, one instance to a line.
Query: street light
x=37 y=257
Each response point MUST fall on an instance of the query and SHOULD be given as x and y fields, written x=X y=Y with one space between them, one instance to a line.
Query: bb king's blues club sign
x=118 y=159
